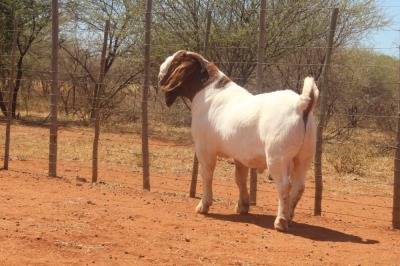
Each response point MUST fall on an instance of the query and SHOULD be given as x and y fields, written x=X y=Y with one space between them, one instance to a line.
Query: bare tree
x=124 y=39
x=34 y=18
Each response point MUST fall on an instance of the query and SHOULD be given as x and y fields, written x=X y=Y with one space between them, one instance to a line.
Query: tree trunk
x=2 y=105
x=17 y=86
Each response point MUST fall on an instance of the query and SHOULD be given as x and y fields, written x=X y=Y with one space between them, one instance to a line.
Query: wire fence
x=358 y=146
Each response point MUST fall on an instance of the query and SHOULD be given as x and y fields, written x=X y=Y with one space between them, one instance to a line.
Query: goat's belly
x=249 y=154
x=258 y=162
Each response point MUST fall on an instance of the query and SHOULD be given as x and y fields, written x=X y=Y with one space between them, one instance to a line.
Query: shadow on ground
x=312 y=232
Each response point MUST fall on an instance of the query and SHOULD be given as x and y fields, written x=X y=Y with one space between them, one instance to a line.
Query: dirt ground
x=70 y=221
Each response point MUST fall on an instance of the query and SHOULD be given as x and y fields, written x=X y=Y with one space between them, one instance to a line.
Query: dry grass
x=361 y=165
x=356 y=161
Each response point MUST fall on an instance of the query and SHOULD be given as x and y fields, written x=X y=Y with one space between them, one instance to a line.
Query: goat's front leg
x=241 y=172
x=207 y=171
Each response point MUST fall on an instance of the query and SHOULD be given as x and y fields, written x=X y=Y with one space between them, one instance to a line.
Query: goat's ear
x=177 y=77
x=199 y=59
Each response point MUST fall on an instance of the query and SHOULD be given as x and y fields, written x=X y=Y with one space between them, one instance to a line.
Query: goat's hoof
x=201 y=208
x=281 y=225
x=290 y=221
x=242 y=208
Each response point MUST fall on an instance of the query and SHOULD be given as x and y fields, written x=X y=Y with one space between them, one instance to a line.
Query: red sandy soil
x=67 y=221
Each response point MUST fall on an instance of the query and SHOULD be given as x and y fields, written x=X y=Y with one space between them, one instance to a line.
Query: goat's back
x=238 y=124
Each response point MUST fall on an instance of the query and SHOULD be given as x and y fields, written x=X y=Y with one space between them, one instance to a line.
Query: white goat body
x=271 y=130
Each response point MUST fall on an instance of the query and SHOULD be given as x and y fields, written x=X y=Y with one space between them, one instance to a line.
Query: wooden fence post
x=396 y=174
x=195 y=173
x=259 y=89
x=97 y=95
x=323 y=96
x=195 y=170
x=145 y=126
x=54 y=91
x=10 y=96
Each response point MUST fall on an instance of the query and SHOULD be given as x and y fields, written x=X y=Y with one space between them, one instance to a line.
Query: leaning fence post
x=97 y=94
x=195 y=169
x=323 y=95
x=145 y=129
x=10 y=96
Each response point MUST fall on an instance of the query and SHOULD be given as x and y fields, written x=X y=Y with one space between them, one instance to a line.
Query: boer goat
x=271 y=130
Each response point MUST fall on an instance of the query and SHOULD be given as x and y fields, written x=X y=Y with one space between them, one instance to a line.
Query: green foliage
x=33 y=18
x=362 y=92
x=6 y=26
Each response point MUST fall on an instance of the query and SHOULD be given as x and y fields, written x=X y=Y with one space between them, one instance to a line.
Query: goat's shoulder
x=234 y=90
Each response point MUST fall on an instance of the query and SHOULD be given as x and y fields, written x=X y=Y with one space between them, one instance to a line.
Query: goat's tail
x=308 y=98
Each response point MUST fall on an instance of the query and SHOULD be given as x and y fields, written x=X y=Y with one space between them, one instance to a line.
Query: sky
x=387 y=40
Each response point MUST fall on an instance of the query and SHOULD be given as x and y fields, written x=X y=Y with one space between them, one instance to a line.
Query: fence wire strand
x=169 y=130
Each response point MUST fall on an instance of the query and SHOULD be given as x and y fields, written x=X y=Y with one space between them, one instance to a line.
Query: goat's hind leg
x=207 y=171
x=241 y=172
x=297 y=189
x=297 y=178
x=279 y=172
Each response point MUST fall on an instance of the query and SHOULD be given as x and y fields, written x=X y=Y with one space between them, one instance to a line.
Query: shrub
x=347 y=158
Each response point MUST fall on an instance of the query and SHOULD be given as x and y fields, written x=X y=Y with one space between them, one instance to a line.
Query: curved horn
x=199 y=59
